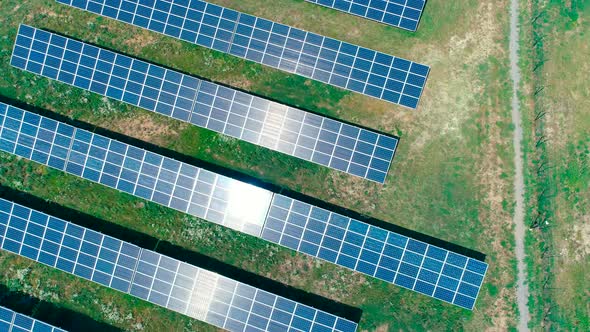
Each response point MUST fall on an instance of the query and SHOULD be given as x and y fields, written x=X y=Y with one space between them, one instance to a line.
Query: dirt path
x=518 y=219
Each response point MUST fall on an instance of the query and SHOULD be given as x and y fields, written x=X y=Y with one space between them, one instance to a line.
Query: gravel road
x=518 y=218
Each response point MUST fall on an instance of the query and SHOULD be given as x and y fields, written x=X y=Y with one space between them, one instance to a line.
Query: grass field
x=559 y=248
x=451 y=178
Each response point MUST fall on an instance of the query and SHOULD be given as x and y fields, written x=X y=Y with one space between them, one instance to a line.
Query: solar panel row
x=385 y=255
x=288 y=130
x=403 y=14
x=180 y=186
x=310 y=55
x=11 y=321
x=156 y=278
x=242 y=207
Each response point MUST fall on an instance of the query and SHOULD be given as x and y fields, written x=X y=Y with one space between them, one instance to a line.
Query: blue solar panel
x=147 y=175
x=246 y=208
x=288 y=130
x=391 y=257
x=11 y=321
x=403 y=14
x=313 y=56
x=159 y=279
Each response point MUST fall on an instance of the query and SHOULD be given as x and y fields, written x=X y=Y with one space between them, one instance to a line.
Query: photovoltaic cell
x=159 y=279
x=379 y=253
x=11 y=321
x=403 y=14
x=314 y=138
x=310 y=55
x=317 y=232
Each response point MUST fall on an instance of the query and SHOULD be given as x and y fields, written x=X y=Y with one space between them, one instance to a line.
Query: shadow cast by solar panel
x=226 y=85
x=180 y=253
x=250 y=179
x=51 y=313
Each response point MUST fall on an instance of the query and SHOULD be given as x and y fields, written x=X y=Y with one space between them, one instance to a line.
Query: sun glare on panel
x=247 y=207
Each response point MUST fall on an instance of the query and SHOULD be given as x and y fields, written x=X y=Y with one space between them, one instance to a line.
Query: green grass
x=558 y=253
x=449 y=180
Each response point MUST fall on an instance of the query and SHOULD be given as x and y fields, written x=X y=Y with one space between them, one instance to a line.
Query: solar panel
x=156 y=278
x=183 y=187
x=11 y=321
x=310 y=137
x=238 y=205
x=385 y=255
x=403 y=14
x=276 y=45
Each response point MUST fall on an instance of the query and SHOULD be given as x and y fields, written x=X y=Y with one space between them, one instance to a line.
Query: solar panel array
x=252 y=210
x=156 y=278
x=310 y=55
x=385 y=255
x=288 y=130
x=403 y=14
x=11 y=321
x=183 y=187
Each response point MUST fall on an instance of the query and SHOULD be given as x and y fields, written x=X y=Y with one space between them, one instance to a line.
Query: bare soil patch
x=576 y=243
x=140 y=40
x=146 y=128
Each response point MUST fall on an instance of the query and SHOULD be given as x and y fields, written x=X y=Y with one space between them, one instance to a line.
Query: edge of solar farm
x=318 y=139
x=11 y=320
x=344 y=65
x=395 y=17
x=311 y=230
x=374 y=251
x=153 y=277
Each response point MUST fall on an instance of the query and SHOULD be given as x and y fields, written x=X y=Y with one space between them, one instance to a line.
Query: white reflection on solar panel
x=156 y=278
x=11 y=321
x=180 y=186
x=311 y=137
x=324 y=59
x=308 y=229
x=403 y=14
